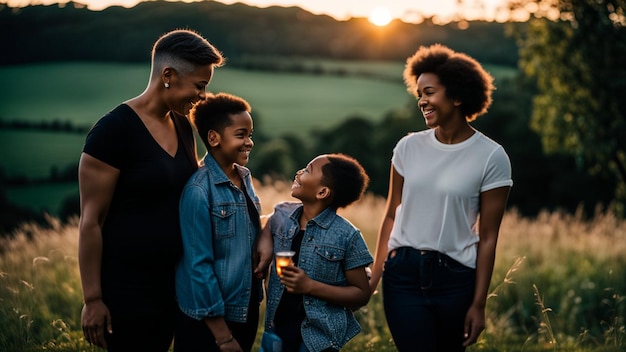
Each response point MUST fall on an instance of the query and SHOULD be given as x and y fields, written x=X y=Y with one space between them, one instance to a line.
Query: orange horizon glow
x=410 y=11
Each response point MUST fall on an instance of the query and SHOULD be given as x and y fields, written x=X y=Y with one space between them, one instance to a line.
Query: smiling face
x=233 y=145
x=187 y=88
x=307 y=185
x=438 y=109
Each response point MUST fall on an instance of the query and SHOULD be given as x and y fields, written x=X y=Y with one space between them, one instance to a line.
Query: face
x=308 y=182
x=234 y=144
x=188 y=88
x=435 y=105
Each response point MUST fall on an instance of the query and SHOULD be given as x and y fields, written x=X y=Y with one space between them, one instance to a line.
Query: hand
x=373 y=286
x=232 y=346
x=95 y=317
x=474 y=324
x=295 y=280
x=263 y=254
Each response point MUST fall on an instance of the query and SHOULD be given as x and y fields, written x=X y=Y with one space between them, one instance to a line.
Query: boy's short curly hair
x=464 y=78
x=213 y=113
x=346 y=178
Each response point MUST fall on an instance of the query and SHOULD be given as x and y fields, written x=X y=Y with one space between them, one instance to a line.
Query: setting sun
x=380 y=16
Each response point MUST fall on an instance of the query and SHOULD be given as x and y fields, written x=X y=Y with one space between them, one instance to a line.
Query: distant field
x=285 y=102
x=83 y=92
x=288 y=102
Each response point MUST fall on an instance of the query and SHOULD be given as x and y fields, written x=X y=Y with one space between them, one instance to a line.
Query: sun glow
x=380 y=16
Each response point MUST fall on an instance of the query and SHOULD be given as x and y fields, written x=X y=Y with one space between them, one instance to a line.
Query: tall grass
x=558 y=284
x=40 y=294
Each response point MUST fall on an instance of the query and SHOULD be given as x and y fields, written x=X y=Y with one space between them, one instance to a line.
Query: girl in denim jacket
x=310 y=305
x=218 y=280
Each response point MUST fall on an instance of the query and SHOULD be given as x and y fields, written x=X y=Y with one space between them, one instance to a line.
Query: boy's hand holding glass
x=296 y=280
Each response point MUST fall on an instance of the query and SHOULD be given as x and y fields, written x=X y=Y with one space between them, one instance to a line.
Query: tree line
x=576 y=62
x=49 y=126
x=42 y=33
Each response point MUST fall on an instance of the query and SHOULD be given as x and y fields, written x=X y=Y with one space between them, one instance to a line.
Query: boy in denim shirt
x=309 y=305
x=218 y=281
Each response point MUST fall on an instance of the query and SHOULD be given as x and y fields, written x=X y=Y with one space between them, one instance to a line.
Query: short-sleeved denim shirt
x=331 y=246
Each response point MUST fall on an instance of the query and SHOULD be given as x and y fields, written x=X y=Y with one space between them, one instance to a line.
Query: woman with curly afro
x=434 y=256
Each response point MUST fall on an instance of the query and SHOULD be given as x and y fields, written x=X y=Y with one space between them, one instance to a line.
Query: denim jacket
x=214 y=276
x=331 y=246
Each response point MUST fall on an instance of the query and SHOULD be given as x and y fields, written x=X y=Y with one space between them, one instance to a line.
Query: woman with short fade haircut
x=135 y=162
x=433 y=254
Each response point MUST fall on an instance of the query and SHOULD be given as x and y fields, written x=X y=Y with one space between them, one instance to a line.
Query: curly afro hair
x=464 y=78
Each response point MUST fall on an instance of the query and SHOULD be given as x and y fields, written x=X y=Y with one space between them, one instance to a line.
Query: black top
x=290 y=312
x=141 y=234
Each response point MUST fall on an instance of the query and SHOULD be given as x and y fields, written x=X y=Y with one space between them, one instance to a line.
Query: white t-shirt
x=441 y=192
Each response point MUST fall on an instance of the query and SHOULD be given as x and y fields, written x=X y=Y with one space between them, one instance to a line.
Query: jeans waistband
x=426 y=253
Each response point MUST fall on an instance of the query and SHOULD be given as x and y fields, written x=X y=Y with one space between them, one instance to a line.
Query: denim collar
x=323 y=219
x=216 y=172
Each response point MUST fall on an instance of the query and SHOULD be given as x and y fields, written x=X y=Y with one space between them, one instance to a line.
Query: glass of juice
x=283 y=259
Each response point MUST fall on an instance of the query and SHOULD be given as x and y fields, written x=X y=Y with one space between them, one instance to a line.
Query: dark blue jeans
x=193 y=335
x=426 y=295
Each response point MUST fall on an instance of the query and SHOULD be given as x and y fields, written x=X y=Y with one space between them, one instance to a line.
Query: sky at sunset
x=407 y=10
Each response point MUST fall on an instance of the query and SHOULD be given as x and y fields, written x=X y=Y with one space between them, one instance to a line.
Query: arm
x=196 y=268
x=355 y=294
x=264 y=249
x=394 y=198
x=97 y=182
x=492 y=206
x=223 y=337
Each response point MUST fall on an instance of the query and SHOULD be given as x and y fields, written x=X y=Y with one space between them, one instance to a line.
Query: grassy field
x=282 y=102
x=558 y=285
